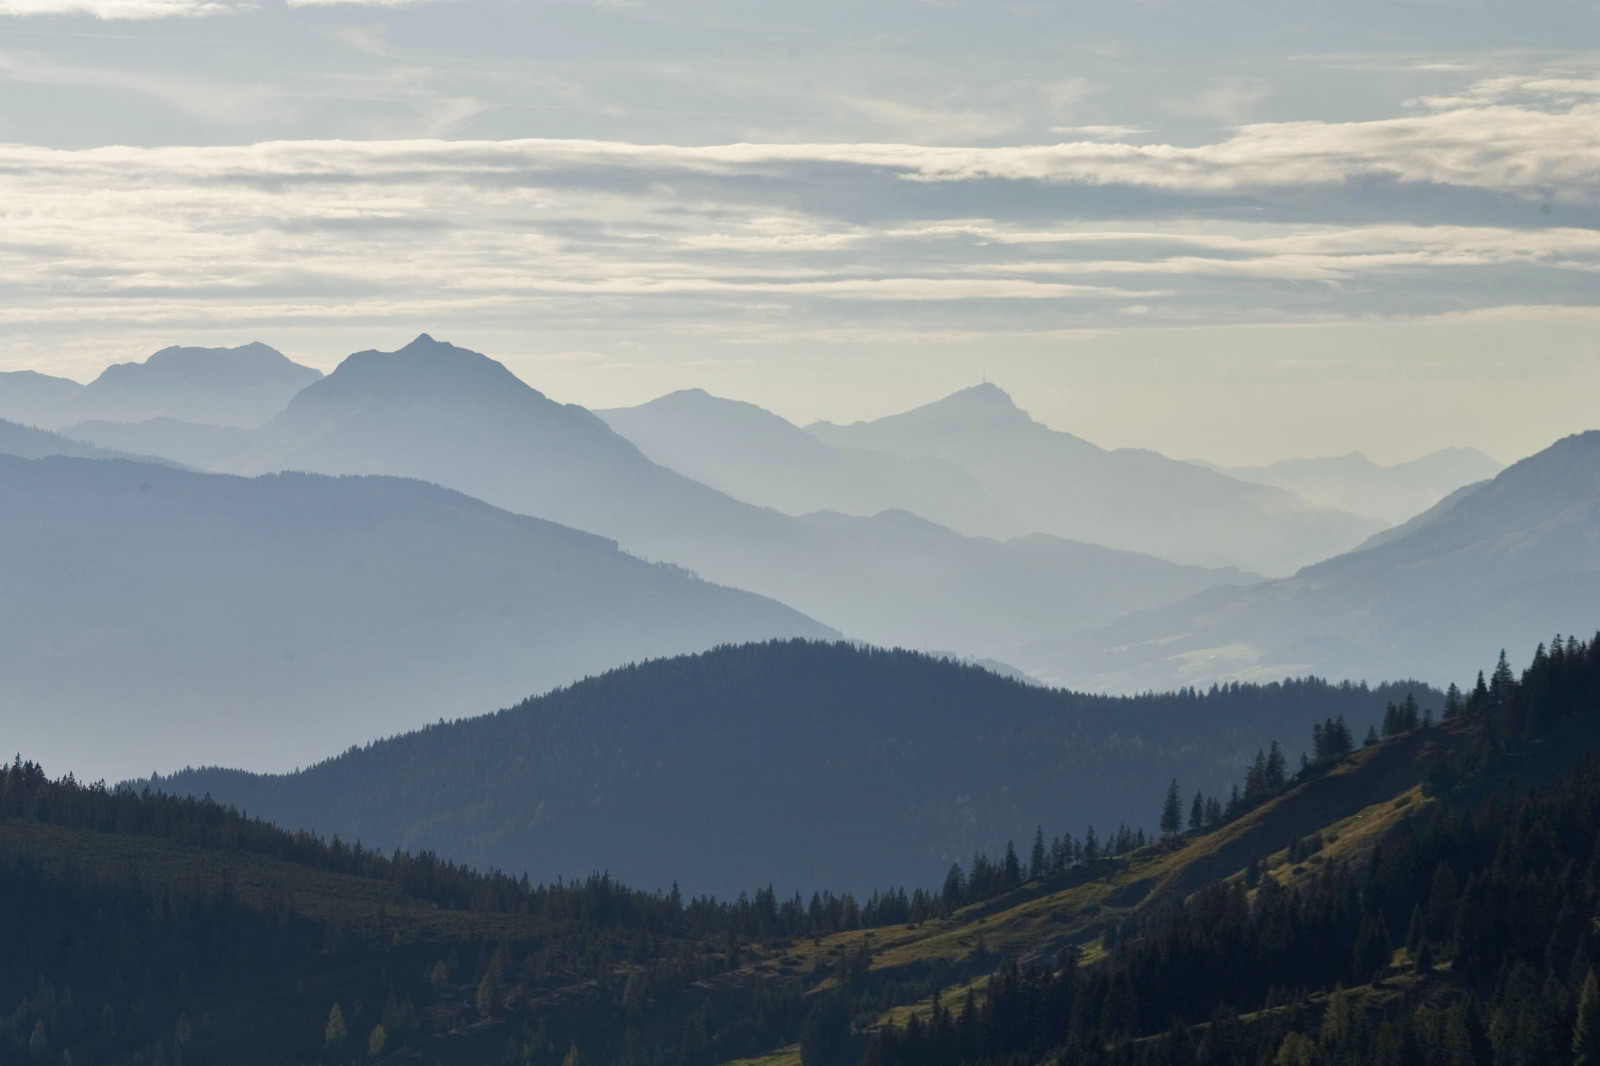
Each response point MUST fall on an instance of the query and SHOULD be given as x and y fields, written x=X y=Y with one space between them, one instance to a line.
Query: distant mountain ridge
x=1355 y=483
x=1506 y=564
x=754 y=455
x=156 y=616
x=30 y=442
x=243 y=386
x=1053 y=482
x=23 y=393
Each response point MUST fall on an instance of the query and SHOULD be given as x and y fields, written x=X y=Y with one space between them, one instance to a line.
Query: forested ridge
x=802 y=764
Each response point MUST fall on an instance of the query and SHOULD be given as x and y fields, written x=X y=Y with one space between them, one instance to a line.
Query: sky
x=1231 y=230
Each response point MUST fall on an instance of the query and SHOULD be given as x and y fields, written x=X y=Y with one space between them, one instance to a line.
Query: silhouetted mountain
x=25 y=392
x=241 y=386
x=156 y=616
x=1355 y=483
x=793 y=763
x=457 y=418
x=756 y=456
x=1505 y=565
x=1054 y=482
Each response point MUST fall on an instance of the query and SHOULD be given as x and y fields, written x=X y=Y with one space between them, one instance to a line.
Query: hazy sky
x=1231 y=230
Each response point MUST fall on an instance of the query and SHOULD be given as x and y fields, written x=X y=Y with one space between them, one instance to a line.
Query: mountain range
x=757 y=456
x=847 y=538
x=457 y=418
x=156 y=615
x=1503 y=565
x=1053 y=482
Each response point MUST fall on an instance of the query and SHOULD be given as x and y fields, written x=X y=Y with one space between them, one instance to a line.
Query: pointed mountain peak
x=986 y=404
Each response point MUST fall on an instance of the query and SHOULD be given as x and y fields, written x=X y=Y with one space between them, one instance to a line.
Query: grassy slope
x=1359 y=803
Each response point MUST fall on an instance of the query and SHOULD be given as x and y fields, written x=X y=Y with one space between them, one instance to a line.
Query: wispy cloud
x=705 y=237
x=122 y=9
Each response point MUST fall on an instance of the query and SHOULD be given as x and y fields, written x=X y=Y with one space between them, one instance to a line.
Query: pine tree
x=1036 y=860
x=1197 y=812
x=1172 y=811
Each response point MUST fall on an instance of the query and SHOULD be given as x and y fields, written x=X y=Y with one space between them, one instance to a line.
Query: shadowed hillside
x=799 y=764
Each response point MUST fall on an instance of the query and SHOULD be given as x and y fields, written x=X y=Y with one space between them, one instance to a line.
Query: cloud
x=860 y=236
x=119 y=9
x=1101 y=133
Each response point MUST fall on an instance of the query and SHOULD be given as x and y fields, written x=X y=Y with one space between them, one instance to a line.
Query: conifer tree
x=1502 y=681
x=1172 y=811
x=1036 y=859
x=1197 y=812
x=1011 y=870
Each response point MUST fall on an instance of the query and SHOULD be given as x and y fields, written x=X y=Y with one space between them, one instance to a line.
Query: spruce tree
x=1197 y=812
x=1172 y=811
x=1011 y=871
x=1036 y=860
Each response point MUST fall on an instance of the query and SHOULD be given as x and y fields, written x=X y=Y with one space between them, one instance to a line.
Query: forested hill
x=804 y=765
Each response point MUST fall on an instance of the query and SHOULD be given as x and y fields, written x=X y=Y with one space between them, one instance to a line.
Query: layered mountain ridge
x=1053 y=482
x=1502 y=565
x=156 y=616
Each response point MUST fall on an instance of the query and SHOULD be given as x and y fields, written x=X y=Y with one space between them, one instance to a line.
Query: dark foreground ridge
x=1399 y=903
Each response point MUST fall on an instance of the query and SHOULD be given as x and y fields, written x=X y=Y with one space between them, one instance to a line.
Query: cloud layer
x=1076 y=232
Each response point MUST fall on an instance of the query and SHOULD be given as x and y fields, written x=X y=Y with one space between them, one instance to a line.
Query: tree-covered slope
x=1448 y=922
x=1413 y=901
x=800 y=764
